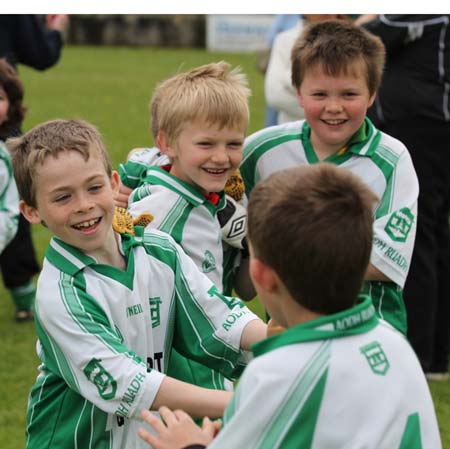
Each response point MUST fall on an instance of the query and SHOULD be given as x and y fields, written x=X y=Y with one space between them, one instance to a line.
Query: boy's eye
x=235 y=145
x=318 y=94
x=95 y=187
x=61 y=198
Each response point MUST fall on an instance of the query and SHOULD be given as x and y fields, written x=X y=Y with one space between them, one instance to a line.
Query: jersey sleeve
x=396 y=221
x=9 y=205
x=208 y=324
x=132 y=171
x=82 y=347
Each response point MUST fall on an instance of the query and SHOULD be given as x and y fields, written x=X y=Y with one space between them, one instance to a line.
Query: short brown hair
x=49 y=139
x=13 y=87
x=313 y=226
x=336 y=45
x=213 y=92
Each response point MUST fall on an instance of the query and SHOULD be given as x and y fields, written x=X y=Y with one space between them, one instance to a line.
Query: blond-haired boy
x=109 y=307
x=338 y=377
x=198 y=120
x=336 y=70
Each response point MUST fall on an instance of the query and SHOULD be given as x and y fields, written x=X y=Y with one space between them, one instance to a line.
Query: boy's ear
x=29 y=212
x=115 y=181
x=163 y=144
x=371 y=100
x=264 y=278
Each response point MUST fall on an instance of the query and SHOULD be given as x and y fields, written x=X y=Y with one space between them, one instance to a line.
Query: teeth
x=334 y=122
x=87 y=224
x=215 y=172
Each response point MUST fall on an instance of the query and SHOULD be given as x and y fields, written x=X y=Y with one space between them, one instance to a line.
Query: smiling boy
x=199 y=120
x=336 y=70
x=109 y=307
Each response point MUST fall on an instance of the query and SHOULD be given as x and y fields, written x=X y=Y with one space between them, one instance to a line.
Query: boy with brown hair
x=198 y=120
x=336 y=70
x=336 y=377
x=109 y=307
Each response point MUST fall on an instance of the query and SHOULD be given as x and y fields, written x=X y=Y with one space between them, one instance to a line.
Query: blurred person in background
x=25 y=39
x=413 y=106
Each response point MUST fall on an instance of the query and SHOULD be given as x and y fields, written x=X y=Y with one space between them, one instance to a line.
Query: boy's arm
x=138 y=161
x=395 y=223
x=196 y=401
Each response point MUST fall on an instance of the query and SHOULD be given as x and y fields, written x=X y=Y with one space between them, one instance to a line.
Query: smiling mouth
x=335 y=122
x=87 y=224
x=215 y=171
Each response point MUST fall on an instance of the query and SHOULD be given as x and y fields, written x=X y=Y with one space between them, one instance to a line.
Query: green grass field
x=110 y=87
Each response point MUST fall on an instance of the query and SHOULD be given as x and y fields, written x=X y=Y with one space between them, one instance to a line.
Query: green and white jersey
x=385 y=165
x=9 y=199
x=191 y=219
x=347 y=380
x=105 y=335
x=135 y=169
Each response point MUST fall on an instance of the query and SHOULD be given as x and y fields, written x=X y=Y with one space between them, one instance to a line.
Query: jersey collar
x=160 y=176
x=363 y=143
x=359 y=319
x=71 y=260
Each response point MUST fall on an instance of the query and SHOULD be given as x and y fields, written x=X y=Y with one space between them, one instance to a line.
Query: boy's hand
x=121 y=197
x=176 y=430
x=233 y=221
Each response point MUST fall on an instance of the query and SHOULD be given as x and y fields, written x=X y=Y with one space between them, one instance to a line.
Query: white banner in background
x=237 y=33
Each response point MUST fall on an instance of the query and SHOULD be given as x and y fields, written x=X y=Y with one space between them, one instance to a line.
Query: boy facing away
x=336 y=70
x=198 y=119
x=338 y=377
x=109 y=307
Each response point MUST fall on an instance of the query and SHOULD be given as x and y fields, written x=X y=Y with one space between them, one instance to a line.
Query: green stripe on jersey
x=386 y=160
x=176 y=218
x=301 y=406
x=412 y=438
x=255 y=149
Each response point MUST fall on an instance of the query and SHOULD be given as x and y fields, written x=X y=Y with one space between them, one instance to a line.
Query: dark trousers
x=427 y=289
x=18 y=260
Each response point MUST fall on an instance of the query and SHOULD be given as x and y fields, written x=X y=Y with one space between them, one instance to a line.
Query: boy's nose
x=333 y=105
x=84 y=203
x=220 y=155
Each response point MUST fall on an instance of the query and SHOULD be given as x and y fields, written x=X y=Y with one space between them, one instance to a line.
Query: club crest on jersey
x=399 y=225
x=209 y=263
x=100 y=377
x=155 y=313
x=378 y=362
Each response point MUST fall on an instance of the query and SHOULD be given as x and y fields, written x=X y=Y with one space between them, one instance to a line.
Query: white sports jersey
x=183 y=212
x=105 y=335
x=347 y=380
x=384 y=164
x=9 y=199
x=135 y=169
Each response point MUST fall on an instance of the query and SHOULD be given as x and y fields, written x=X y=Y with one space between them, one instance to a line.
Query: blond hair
x=212 y=92
x=49 y=139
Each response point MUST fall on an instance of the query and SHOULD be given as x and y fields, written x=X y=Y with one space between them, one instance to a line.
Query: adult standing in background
x=413 y=105
x=24 y=39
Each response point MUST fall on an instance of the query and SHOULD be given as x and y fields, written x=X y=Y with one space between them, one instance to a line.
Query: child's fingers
x=154 y=421
x=148 y=437
x=168 y=415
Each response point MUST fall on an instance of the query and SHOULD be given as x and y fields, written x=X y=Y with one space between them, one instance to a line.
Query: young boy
x=338 y=377
x=198 y=119
x=336 y=70
x=9 y=197
x=109 y=307
x=17 y=260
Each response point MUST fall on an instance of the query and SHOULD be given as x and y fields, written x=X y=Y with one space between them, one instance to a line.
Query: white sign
x=237 y=33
